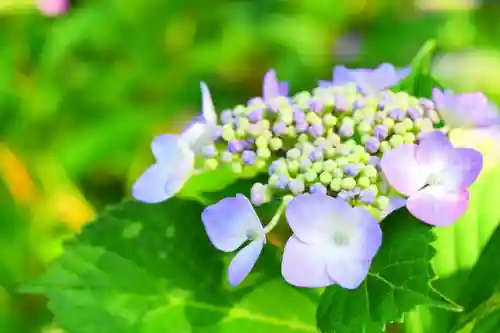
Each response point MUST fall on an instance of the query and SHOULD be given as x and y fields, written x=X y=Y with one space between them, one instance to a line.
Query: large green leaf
x=150 y=268
x=399 y=280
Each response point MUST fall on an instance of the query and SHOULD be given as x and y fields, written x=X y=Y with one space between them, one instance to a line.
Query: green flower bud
x=329 y=120
x=370 y=171
x=381 y=116
x=325 y=178
x=412 y=101
x=291 y=132
x=434 y=116
x=338 y=173
x=364 y=127
x=310 y=176
x=267 y=134
x=237 y=167
x=281 y=168
x=275 y=144
x=409 y=138
x=211 y=164
x=321 y=141
x=243 y=123
x=317 y=167
x=389 y=122
x=303 y=138
x=348 y=120
x=408 y=123
x=354 y=158
x=348 y=183
x=330 y=152
x=424 y=124
x=329 y=165
x=385 y=146
x=382 y=203
x=351 y=143
x=312 y=118
x=293 y=167
x=399 y=128
x=358 y=116
x=260 y=164
x=341 y=161
x=302 y=99
x=287 y=117
x=364 y=157
x=261 y=142
x=293 y=154
x=265 y=124
x=374 y=189
x=263 y=153
x=396 y=140
x=335 y=184
x=301 y=177
x=239 y=110
x=364 y=182
x=228 y=132
x=307 y=148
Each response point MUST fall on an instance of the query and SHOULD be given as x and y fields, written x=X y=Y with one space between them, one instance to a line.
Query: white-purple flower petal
x=230 y=222
x=244 y=261
x=332 y=242
x=272 y=87
x=173 y=167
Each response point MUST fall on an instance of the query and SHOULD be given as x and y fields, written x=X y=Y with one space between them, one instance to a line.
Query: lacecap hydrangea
x=339 y=158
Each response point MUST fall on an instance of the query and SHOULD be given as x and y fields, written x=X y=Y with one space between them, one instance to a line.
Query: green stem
x=274 y=221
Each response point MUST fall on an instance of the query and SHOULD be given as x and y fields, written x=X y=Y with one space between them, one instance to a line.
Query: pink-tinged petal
x=208 y=109
x=402 y=171
x=435 y=205
x=463 y=169
x=53 y=7
x=150 y=186
x=434 y=151
x=304 y=265
x=484 y=140
x=438 y=97
x=244 y=261
x=313 y=217
x=347 y=273
x=230 y=222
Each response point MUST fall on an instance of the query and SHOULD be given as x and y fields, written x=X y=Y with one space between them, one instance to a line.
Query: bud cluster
x=329 y=141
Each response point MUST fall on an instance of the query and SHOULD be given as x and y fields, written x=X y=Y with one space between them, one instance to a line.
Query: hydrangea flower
x=229 y=224
x=435 y=177
x=53 y=7
x=332 y=242
x=368 y=80
x=465 y=110
x=175 y=156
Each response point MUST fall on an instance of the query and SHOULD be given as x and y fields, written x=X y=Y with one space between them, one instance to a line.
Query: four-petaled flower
x=368 y=81
x=175 y=156
x=229 y=224
x=434 y=175
x=332 y=242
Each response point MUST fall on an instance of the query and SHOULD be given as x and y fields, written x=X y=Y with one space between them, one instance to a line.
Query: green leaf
x=399 y=279
x=419 y=82
x=150 y=268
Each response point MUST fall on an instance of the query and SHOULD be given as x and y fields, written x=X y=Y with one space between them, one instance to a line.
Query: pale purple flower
x=256 y=115
x=346 y=130
x=397 y=114
x=341 y=104
x=414 y=113
x=315 y=106
x=374 y=160
x=296 y=186
x=209 y=151
x=279 y=128
x=367 y=196
x=53 y=7
x=299 y=115
x=226 y=117
x=372 y=145
x=175 y=155
x=272 y=87
x=434 y=175
x=235 y=146
x=332 y=242
x=318 y=188
x=352 y=169
x=282 y=182
x=301 y=126
x=316 y=130
x=369 y=81
x=229 y=224
x=381 y=132
x=465 y=110
x=249 y=157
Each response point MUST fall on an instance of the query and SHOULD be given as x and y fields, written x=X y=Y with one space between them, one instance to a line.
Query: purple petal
x=464 y=167
x=272 y=87
x=348 y=274
x=312 y=217
x=244 y=261
x=230 y=222
x=434 y=151
x=435 y=205
x=402 y=170
x=208 y=109
x=365 y=233
x=150 y=186
x=304 y=265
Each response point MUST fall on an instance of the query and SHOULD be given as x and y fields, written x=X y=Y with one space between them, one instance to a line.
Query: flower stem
x=274 y=221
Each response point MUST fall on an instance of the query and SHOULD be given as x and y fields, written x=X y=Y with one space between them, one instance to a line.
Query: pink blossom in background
x=53 y=7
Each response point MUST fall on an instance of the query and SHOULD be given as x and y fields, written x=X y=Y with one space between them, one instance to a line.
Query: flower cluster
x=339 y=158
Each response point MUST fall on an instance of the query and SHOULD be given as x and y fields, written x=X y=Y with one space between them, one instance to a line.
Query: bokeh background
x=82 y=94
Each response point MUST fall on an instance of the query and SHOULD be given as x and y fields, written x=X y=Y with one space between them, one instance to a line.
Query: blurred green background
x=81 y=95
